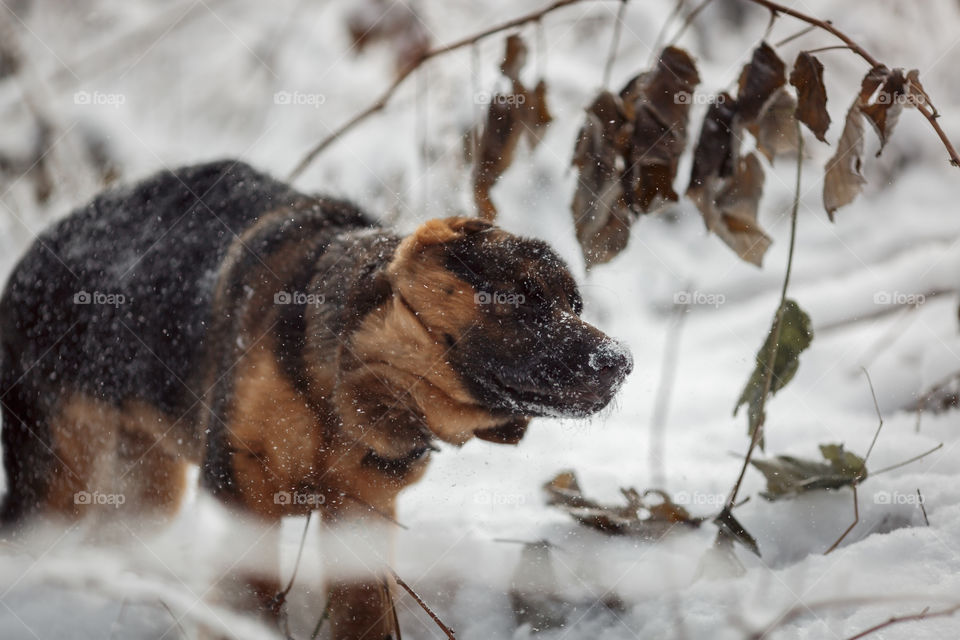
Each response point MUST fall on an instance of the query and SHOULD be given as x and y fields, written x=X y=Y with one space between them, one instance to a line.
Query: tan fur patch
x=110 y=459
x=276 y=436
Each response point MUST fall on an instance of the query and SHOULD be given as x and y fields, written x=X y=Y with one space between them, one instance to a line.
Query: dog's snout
x=612 y=362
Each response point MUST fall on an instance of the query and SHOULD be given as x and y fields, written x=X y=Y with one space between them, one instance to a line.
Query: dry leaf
x=788 y=476
x=915 y=90
x=726 y=189
x=716 y=150
x=732 y=531
x=514 y=58
x=499 y=140
x=733 y=215
x=563 y=491
x=775 y=130
x=602 y=221
x=885 y=110
x=395 y=23
x=843 y=179
x=627 y=153
x=807 y=77
x=520 y=114
x=760 y=78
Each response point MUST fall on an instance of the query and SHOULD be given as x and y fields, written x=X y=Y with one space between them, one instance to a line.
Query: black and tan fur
x=201 y=362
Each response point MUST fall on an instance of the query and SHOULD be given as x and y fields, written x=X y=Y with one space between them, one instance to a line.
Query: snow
x=205 y=89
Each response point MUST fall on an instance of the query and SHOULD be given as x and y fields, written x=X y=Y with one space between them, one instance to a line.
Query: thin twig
x=423 y=605
x=777 y=325
x=384 y=98
x=808 y=608
x=323 y=618
x=614 y=43
x=689 y=20
x=280 y=598
x=856 y=520
x=923 y=615
x=835 y=47
x=798 y=34
x=876 y=406
x=906 y=462
x=923 y=507
x=658 y=43
x=860 y=51
x=176 y=620
x=668 y=373
x=303 y=539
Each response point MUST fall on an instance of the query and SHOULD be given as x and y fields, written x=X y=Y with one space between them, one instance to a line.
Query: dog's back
x=114 y=305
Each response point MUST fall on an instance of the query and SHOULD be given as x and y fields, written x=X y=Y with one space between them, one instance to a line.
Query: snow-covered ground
x=171 y=84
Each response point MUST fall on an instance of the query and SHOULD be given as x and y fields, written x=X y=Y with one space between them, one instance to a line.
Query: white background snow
x=197 y=81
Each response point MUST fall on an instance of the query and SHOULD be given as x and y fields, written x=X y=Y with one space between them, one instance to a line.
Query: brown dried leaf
x=510 y=117
x=564 y=492
x=498 y=142
x=775 y=130
x=732 y=531
x=716 y=150
x=843 y=179
x=807 y=77
x=537 y=115
x=397 y=24
x=602 y=222
x=726 y=190
x=628 y=151
x=915 y=91
x=883 y=112
x=514 y=58
x=737 y=204
x=760 y=78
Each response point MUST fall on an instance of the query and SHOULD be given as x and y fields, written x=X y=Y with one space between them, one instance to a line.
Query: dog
x=286 y=344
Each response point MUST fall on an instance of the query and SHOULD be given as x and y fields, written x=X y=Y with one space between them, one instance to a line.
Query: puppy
x=304 y=357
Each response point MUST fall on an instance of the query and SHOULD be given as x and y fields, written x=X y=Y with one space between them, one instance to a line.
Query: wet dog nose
x=612 y=363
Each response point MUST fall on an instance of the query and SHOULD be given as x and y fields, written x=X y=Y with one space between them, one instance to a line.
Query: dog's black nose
x=612 y=362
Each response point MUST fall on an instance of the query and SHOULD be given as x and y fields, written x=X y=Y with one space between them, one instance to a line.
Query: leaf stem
x=777 y=326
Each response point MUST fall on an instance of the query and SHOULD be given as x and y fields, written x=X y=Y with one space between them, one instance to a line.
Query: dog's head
x=507 y=312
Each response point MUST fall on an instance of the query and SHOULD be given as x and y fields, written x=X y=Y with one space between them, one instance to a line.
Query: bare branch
x=384 y=98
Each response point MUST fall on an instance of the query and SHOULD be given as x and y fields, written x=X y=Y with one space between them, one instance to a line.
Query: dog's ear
x=443 y=230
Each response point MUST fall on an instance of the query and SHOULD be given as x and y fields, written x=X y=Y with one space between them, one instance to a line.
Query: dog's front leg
x=357 y=550
x=252 y=583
